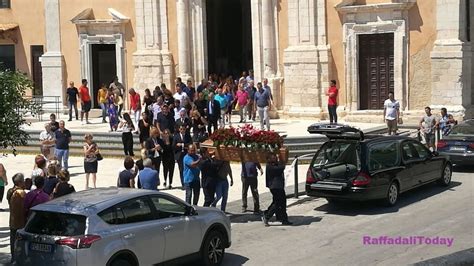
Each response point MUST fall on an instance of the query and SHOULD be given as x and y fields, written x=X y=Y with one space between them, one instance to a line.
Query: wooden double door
x=375 y=70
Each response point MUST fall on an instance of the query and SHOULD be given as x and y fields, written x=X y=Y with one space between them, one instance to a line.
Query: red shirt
x=135 y=101
x=332 y=100
x=84 y=92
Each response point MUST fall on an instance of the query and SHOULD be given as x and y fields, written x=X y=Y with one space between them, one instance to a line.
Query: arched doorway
x=229 y=36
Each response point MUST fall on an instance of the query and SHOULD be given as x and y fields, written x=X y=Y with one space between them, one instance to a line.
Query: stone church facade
x=420 y=50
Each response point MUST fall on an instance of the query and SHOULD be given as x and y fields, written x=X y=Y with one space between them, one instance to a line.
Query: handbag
x=98 y=156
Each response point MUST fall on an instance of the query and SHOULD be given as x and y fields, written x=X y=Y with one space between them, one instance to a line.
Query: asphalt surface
x=325 y=234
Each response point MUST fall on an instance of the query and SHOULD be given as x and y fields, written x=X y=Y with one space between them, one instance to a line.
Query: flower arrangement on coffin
x=245 y=143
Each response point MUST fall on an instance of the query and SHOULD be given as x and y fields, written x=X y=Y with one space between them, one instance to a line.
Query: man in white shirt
x=180 y=95
x=391 y=113
x=47 y=140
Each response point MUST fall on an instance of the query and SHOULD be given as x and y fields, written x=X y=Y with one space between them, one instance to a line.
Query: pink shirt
x=242 y=97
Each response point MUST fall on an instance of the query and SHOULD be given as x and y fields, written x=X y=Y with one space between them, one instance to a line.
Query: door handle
x=168 y=228
x=129 y=236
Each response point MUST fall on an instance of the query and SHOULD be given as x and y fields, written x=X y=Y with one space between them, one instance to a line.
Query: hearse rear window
x=337 y=152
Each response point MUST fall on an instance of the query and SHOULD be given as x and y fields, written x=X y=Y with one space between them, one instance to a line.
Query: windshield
x=56 y=224
x=462 y=130
x=337 y=152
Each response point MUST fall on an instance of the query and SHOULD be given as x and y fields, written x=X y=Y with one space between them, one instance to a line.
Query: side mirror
x=190 y=211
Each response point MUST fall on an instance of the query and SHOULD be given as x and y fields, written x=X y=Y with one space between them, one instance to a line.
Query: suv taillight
x=362 y=179
x=78 y=242
x=309 y=177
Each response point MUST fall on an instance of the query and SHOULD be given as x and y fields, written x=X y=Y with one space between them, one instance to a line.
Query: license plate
x=326 y=187
x=46 y=248
x=457 y=148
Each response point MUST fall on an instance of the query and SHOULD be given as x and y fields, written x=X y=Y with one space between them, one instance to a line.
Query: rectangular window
x=7 y=56
x=4 y=3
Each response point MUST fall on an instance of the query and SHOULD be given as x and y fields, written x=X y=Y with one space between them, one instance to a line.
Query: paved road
x=332 y=235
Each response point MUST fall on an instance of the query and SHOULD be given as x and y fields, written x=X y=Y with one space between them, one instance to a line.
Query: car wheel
x=213 y=249
x=120 y=262
x=445 y=179
x=392 y=194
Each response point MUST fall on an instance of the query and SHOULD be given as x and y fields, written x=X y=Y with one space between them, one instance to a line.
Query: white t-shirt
x=180 y=97
x=391 y=109
x=44 y=135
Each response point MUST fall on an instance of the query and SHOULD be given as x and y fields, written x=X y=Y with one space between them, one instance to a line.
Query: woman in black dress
x=144 y=128
x=127 y=138
x=168 y=157
x=148 y=101
x=90 y=160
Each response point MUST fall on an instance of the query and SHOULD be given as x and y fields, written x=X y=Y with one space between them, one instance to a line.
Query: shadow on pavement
x=230 y=259
x=349 y=208
x=463 y=169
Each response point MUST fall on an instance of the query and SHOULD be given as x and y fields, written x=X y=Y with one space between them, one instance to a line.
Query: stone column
x=52 y=61
x=268 y=39
x=184 y=54
x=152 y=60
x=307 y=59
x=451 y=60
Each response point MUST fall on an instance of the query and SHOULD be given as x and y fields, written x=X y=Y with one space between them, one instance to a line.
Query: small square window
x=7 y=56
x=4 y=3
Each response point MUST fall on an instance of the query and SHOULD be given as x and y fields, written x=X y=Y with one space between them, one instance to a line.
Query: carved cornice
x=347 y=6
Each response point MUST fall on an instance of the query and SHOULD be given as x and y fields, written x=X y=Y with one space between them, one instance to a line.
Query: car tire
x=446 y=175
x=392 y=194
x=121 y=262
x=213 y=249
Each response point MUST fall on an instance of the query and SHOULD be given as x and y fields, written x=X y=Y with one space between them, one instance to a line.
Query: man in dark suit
x=154 y=146
x=213 y=113
x=209 y=170
x=181 y=141
x=183 y=121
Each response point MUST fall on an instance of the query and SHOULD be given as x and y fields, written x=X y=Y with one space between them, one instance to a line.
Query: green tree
x=14 y=107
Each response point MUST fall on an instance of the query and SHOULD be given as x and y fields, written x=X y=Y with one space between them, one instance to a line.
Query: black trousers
x=168 y=170
x=332 y=113
x=12 y=242
x=181 y=168
x=278 y=205
x=127 y=140
x=73 y=105
x=251 y=182
x=156 y=163
x=211 y=123
x=209 y=191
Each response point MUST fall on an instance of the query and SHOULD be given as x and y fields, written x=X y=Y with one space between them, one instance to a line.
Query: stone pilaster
x=152 y=60
x=451 y=60
x=52 y=62
x=307 y=58
x=184 y=52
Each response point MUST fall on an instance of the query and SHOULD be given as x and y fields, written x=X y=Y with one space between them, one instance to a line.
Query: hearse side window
x=423 y=152
x=407 y=151
x=383 y=155
x=337 y=152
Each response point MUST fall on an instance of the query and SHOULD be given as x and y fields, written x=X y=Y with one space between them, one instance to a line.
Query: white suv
x=119 y=226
